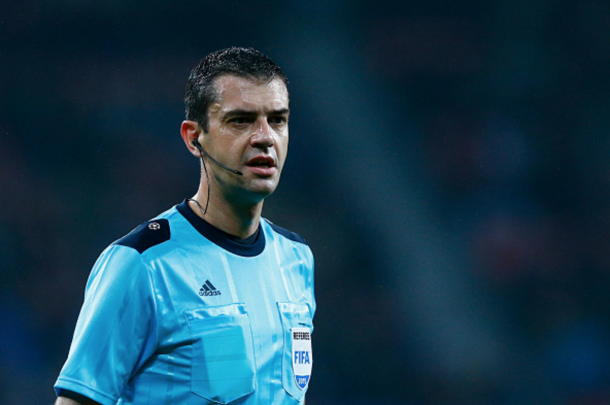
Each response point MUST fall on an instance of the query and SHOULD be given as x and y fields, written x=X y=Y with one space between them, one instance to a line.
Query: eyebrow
x=247 y=113
x=283 y=111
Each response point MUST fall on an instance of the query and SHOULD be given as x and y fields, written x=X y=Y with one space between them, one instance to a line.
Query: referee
x=208 y=303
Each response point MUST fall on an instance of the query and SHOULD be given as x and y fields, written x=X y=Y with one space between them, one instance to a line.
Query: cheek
x=229 y=144
x=282 y=147
x=236 y=149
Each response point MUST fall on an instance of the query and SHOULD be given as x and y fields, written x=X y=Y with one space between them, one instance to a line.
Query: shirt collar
x=251 y=246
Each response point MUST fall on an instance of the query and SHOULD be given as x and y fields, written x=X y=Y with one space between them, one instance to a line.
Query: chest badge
x=302 y=357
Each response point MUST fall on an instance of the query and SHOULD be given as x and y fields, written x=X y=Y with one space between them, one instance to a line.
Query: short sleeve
x=116 y=329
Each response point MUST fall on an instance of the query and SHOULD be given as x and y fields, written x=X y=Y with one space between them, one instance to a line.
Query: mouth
x=263 y=165
x=261 y=161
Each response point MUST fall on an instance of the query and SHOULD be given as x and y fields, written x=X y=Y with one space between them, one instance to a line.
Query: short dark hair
x=244 y=62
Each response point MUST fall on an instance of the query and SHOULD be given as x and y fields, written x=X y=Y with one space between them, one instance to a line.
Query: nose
x=263 y=134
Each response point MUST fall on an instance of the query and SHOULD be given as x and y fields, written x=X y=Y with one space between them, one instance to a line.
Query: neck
x=238 y=220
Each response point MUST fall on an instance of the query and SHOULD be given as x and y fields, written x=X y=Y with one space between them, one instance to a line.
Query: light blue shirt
x=178 y=312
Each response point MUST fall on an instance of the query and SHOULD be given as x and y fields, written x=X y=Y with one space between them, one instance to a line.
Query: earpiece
x=196 y=144
x=203 y=152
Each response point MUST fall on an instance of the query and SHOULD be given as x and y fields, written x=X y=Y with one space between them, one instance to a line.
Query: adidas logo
x=208 y=290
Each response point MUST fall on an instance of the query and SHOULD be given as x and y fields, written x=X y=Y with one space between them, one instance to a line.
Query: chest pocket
x=297 y=356
x=223 y=367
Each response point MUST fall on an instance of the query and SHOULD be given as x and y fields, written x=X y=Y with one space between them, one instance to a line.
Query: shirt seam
x=149 y=272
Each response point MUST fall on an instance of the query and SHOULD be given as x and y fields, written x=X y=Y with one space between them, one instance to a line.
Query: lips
x=261 y=161
x=263 y=165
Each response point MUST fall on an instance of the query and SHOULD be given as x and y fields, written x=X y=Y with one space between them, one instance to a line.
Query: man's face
x=248 y=131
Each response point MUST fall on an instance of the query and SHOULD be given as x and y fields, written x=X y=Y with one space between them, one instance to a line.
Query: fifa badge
x=301 y=356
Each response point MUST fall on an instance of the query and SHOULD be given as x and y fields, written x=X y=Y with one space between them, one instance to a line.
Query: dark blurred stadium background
x=449 y=166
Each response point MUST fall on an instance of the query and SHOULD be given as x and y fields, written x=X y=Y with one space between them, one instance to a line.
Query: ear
x=190 y=131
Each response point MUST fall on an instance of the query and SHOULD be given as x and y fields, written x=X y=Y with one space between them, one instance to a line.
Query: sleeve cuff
x=64 y=385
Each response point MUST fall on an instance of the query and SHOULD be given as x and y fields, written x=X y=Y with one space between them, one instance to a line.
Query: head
x=247 y=63
x=237 y=109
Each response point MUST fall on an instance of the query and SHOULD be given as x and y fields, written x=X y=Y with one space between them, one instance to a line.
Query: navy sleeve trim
x=295 y=237
x=147 y=235
x=76 y=397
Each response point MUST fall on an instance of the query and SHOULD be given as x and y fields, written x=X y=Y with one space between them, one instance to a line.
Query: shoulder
x=147 y=235
x=293 y=236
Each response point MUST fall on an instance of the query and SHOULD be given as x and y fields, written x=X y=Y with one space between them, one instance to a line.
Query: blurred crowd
x=449 y=166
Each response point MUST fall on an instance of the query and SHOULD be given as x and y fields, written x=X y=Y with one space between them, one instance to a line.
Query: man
x=208 y=303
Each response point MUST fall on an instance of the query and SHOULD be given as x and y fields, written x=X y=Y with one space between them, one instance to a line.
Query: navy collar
x=251 y=246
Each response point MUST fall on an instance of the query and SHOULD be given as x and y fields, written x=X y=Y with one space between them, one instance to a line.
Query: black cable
x=207 y=179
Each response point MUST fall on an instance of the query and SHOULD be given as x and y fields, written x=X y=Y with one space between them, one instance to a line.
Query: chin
x=262 y=191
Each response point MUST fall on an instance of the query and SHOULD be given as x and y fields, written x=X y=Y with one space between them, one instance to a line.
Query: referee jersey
x=179 y=312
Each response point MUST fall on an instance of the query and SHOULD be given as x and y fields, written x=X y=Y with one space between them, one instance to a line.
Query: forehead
x=235 y=92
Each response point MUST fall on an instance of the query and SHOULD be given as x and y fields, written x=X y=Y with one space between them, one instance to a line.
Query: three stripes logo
x=208 y=289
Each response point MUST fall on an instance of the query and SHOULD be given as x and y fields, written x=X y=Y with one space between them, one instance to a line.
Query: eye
x=240 y=120
x=279 y=120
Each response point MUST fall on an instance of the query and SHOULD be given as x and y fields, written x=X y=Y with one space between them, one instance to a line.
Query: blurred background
x=449 y=166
